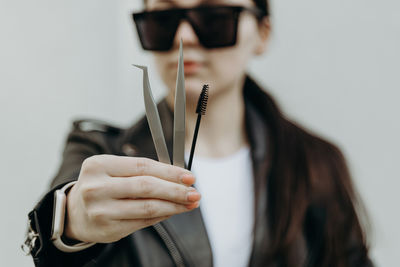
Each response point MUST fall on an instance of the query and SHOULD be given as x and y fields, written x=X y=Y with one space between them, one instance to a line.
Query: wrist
x=59 y=212
x=70 y=235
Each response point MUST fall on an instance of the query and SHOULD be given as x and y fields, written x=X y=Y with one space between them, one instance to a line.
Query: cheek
x=228 y=64
x=164 y=71
x=231 y=63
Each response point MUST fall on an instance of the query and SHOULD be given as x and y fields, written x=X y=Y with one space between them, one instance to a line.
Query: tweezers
x=153 y=117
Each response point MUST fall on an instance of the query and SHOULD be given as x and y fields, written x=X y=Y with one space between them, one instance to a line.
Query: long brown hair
x=310 y=196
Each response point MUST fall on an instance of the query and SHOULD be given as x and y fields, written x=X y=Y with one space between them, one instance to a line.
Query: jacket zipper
x=173 y=250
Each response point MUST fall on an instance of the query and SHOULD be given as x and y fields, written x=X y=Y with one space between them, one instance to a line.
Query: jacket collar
x=259 y=138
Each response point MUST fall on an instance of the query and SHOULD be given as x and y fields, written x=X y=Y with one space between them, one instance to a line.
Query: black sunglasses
x=215 y=26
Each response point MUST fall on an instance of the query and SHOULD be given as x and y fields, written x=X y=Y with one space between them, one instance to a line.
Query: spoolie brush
x=200 y=110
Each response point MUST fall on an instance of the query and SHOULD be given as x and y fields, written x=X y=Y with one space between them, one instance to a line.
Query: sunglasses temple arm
x=153 y=119
x=179 y=114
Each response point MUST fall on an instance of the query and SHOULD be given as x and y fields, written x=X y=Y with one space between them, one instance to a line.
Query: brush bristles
x=202 y=104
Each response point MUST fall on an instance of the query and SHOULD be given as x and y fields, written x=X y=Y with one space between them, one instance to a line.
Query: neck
x=222 y=129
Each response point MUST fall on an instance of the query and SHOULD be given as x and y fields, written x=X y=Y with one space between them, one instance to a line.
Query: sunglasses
x=215 y=26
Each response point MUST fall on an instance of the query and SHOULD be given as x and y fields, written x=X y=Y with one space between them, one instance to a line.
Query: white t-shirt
x=227 y=205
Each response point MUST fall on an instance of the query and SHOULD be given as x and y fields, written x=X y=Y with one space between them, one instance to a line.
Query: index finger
x=122 y=166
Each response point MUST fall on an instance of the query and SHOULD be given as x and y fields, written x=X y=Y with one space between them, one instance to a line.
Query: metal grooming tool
x=179 y=114
x=154 y=121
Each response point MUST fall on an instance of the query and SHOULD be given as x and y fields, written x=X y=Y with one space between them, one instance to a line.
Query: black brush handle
x=196 y=131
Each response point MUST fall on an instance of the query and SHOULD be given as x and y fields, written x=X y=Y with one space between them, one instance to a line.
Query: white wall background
x=332 y=65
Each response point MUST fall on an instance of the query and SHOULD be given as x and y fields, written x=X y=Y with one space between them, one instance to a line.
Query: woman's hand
x=116 y=196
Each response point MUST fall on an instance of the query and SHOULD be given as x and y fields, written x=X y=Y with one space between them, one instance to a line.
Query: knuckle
x=173 y=172
x=96 y=216
x=145 y=186
x=149 y=209
x=142 y=165
x=179 y=193
x=88 y=192
x=179 y=208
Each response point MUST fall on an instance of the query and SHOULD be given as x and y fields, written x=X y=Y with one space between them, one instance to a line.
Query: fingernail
x=188 y=179
x=193 y=196
x=192 y=205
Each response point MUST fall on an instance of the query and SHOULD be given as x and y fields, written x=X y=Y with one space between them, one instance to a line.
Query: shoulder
x=325 y=163
x=94 y=125
x=294 y=144
x=315 y=146
x=101 y=137
x=98 y=134
x=88 y=137
x=286 y=132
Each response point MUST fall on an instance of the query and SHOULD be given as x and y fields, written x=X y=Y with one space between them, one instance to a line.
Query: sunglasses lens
x=156 y=29
x=216 y=27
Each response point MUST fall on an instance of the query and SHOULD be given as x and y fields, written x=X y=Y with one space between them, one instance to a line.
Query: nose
x=186 y=32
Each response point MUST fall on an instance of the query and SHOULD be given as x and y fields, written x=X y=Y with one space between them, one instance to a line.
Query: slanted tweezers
x=154 y=121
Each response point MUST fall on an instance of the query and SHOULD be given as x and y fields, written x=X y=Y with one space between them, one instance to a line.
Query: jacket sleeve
x=79 y=146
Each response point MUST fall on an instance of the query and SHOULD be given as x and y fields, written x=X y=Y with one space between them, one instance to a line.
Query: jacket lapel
x=258 y=137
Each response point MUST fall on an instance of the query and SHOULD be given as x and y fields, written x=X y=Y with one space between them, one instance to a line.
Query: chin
x=193 y=89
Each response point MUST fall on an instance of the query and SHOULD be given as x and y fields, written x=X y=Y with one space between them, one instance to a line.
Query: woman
x=272 y=193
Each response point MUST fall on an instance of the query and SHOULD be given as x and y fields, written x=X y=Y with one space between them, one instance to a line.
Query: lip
x=191 y=67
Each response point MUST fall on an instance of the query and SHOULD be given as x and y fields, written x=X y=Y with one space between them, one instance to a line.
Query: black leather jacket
x=179 y=241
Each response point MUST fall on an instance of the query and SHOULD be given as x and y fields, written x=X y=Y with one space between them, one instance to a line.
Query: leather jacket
x=182 y=239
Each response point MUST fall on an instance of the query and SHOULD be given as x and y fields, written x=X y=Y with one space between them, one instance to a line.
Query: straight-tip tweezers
x=154 y=121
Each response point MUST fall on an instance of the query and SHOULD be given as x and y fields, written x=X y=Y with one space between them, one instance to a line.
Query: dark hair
x=263 y=5
x=310 y=197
